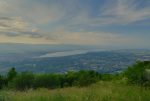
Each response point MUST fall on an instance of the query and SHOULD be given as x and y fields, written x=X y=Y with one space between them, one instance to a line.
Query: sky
x=115 y=23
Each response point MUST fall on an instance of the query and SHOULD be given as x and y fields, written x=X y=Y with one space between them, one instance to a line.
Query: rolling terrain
x=62 y=58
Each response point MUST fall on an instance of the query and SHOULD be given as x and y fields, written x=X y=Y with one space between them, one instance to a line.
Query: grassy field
x=101 y=91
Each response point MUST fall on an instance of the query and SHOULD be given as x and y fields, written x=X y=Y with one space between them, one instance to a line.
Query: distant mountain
x=61 y=58
x=6 y=48
x=10 y=52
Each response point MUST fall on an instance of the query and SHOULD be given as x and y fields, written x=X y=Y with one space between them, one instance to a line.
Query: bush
x=85 y=78
x=27 y=80
x=47 y=81
x=23 y=81
x=2 y=82
x=81 y=78
x=136 y=74
x=11 y=74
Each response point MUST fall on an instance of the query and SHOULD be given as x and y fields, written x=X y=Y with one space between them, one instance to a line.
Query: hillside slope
x=101 y=91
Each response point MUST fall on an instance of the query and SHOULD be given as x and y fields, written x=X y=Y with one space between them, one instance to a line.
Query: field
x=101 y=91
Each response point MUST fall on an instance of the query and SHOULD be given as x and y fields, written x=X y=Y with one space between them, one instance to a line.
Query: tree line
x=27 y=80
x=138 y=73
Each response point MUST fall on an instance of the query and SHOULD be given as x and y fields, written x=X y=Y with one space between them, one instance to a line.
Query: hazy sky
x=124 y=23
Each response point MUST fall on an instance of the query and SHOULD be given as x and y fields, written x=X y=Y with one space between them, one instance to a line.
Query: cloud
x=120 y=12
x=25 y=39
x=14 y=26
x=88 y=38
x=125 y=12
x=69 y=21
x=34 y=11
x=21 y=17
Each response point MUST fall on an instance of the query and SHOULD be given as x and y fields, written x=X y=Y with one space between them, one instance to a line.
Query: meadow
x=100 y=91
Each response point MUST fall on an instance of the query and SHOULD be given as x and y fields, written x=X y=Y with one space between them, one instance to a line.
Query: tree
x=23 y=81
x=11 y=74
x=136 y=73
x=86 y=78
x=47 y=81
x=2 y=82
x=70 y=78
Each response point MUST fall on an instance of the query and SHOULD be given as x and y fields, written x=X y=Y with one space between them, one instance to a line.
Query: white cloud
x=119 y=12
x=32 y=11
x=15 y=26
x=88 y=38
x=32 y=20
x=125 y=11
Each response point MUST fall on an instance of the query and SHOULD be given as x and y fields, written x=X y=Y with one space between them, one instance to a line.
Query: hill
x=101 y=91
x=60 y=59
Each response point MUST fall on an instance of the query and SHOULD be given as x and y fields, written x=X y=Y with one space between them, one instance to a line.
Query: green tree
x=86 y=78
x=70 y=78
x=11 y=74
x=47 y=81
x=136 y=73
x=2 y=82
x=23 y=81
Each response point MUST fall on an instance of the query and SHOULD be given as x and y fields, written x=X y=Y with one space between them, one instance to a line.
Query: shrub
x=11 y=74
x=27 y=80
x=47 y=81
x=136 y=73
x=85 y=78
x=2 y=82
x=23 y=81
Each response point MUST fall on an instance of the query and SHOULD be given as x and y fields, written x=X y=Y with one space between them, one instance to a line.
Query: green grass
x=101 y=91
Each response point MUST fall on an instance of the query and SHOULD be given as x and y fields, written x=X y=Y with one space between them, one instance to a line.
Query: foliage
x=85 y=78
x=23 y=81
x=27 y=80
x=11 y=74
x=2 y=81
x=136 y=74
x=47 y=81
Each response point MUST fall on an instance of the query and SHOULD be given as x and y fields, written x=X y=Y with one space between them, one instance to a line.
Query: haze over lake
x=68 y=53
